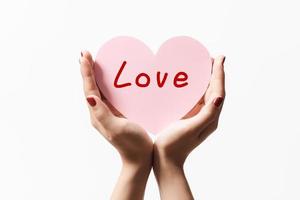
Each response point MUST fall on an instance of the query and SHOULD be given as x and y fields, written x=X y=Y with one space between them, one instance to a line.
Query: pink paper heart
x=153 y=107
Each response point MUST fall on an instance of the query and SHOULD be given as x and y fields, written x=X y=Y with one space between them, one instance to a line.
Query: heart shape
x=153 y=90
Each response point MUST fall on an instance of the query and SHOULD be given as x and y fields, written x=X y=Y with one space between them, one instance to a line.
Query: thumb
x=98 y=109
x=209 y=112
x=212 y=108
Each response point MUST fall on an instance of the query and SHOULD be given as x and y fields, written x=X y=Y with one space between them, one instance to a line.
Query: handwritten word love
x=179 y=81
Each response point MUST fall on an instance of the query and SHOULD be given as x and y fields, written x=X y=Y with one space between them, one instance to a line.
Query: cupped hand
x=132 y=142
x=175 y=142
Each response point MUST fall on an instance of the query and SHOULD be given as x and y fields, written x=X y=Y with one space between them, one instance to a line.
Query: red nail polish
x=218 y=101
x=91 y=101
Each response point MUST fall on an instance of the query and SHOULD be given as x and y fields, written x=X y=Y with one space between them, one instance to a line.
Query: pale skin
x=172 y=146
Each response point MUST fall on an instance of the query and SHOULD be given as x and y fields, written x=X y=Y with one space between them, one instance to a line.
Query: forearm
x=132 y=182
x=172 y=182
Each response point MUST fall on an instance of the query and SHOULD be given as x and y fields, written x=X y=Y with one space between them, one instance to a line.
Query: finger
x=208 y=114
x=87 y=73
x=88 y=56
x=99 y=110
x=212 y=108
x=217 y=82
x=199 y=104
x=90 y=85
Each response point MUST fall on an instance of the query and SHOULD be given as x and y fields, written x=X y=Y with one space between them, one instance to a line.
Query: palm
x=134 y=138
x=177 y=129
x=178 y=135
x=182 y=134
x=130 y=139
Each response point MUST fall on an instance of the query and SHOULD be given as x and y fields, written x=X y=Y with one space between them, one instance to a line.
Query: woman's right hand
x=174 y=143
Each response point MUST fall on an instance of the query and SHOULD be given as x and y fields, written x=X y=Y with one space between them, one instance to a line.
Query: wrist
x=136 y=171
x=167 y=162
x=164 y=169
x=170 y=177
x=132 y=181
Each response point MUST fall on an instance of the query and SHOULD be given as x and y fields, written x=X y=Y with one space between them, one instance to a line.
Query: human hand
x=174 y=143
x=132 y=142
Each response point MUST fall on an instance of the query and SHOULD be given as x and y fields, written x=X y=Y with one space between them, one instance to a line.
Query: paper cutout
x=153 y=90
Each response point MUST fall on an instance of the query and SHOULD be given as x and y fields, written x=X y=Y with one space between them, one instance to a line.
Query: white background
x=48 y=148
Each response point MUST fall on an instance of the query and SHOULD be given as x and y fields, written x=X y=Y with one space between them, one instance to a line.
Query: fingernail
x=91 y=101
x=223 y=60
x=81 y=53
x=218 y=101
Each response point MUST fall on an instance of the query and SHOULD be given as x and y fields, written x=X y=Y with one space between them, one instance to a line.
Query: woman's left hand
x=132 y=142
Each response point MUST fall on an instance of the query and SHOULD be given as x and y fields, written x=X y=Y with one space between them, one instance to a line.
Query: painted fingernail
x=91 y=101
x=81 y=53
x=223 y=60
x=218 y=101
